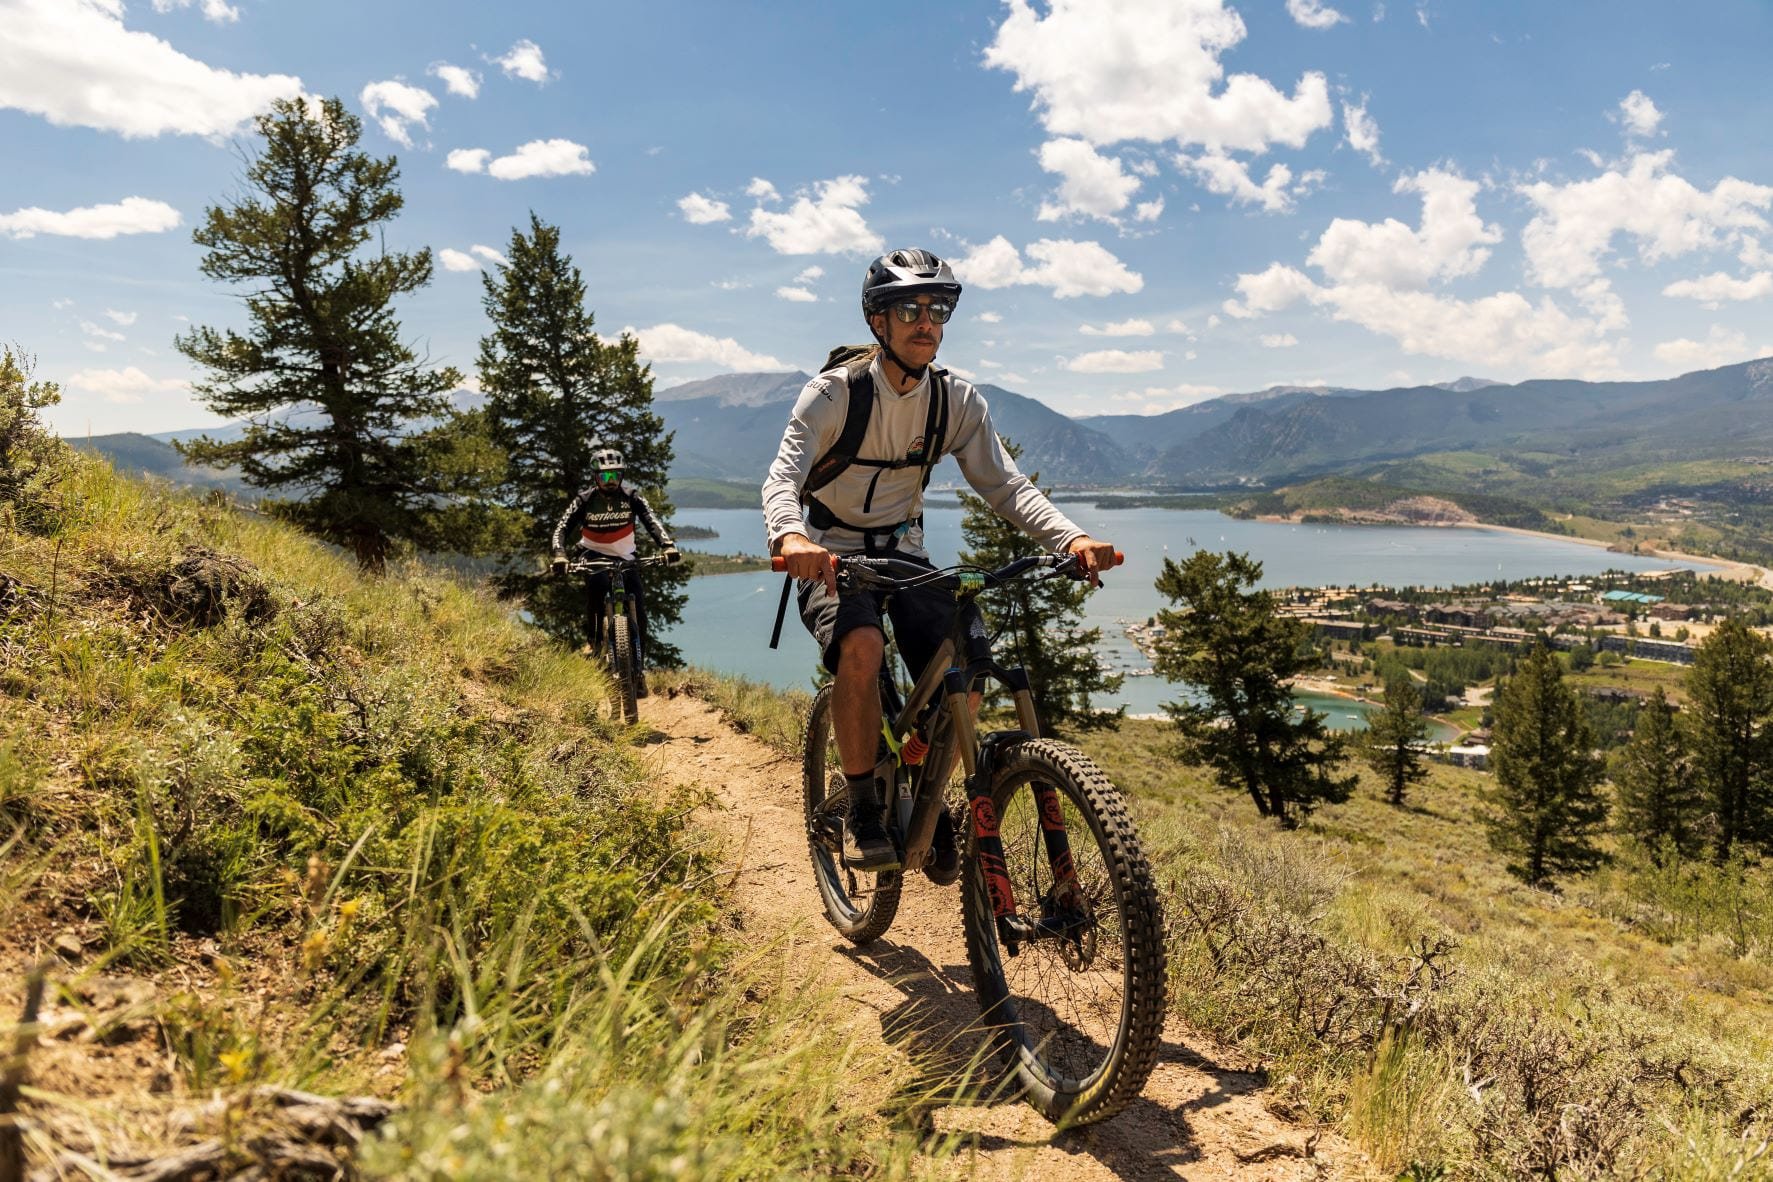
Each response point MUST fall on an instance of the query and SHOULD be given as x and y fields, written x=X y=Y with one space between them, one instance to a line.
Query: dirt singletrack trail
x=912 y=988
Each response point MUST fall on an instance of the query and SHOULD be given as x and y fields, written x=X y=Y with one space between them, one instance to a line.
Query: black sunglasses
x=907 y=311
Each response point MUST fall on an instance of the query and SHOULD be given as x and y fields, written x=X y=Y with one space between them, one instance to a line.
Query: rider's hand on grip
x=558 y=566
x=1093 y=556
x=806 y=559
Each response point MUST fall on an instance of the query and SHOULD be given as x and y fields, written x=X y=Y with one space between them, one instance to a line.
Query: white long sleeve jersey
x=882 y=498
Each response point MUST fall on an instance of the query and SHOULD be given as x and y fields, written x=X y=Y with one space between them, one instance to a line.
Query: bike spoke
x=1069 y=993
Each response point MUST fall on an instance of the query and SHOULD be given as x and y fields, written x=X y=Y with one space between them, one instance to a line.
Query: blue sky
x=1151 y=201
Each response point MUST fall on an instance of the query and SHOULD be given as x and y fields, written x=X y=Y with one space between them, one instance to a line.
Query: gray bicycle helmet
x=906 y=273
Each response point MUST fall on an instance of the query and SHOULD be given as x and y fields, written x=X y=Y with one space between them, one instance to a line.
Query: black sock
x=863 y=792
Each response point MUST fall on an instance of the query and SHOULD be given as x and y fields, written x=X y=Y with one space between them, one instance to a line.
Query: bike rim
x=1067 y=1001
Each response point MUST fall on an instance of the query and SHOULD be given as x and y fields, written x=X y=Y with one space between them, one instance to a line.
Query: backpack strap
x=842 y=454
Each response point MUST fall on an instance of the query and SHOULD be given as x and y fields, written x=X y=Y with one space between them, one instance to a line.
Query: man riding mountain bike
x=849 y=479
x=603 y=516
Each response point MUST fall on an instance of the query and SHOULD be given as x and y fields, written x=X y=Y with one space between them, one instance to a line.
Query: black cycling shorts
x=921 y=618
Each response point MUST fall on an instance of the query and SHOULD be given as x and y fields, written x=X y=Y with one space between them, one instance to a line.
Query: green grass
x=695 y=492
x=407 y=819
x=725 y=564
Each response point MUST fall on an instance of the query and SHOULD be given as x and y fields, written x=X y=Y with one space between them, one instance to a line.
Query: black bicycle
x=1064 y=933
x=621 y=651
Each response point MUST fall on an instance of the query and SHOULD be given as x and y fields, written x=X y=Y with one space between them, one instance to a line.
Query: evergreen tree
x=383 y=460
x=28 y=452
x=1391 y=742
x=1228 y=641
x=1546 y=807
x=555 y=392
x=1659 y=801
x=1044 y=617
x=1730 y=704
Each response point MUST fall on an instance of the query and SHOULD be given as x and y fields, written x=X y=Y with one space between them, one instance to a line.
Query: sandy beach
x=1722 y=568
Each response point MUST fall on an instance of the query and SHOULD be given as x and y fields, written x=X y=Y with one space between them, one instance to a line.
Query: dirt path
x=1196 y=1120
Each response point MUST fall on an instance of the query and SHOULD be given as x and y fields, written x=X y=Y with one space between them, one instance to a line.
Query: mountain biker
x=603 y=516
x=874 y=505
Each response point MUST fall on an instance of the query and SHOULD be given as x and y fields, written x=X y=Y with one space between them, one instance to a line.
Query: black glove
x=558 y=566
x=672 y=557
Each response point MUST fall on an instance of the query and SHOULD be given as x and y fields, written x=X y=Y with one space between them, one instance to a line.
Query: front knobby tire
x=634 y=657
x=623 y=669
x=1079 y=1020
x=860 y=905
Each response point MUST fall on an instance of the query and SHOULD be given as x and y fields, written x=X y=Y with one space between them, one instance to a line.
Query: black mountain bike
x=620 y=652
x=1064 y=933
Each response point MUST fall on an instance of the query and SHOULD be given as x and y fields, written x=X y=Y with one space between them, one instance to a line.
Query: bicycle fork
x=1060 y=911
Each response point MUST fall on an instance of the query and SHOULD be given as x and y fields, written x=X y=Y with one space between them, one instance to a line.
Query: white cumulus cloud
x=455 y=260
x=673 y=342
x=1573 y=231
x=703 y=211
x=1721 y=346
x=123 y=385
x=1155 y=400
x=1639 y=115
x=1362 y=133
x=823 y=221
x=1092 y=184
x=1377 y=275
x=1278 y=340
x=1313 y=14
x=74 y=63
x=810 y=274
x=124 y=318
x=1070 y=268
x=1231 y=178
x=762 y=190
x=1119 y=328
x=1712 y=290
x=468 y=159
x=132 y=215
x=538 y=158
x=489 y=254
x=524 y=60
x=1116 y=361
x=1451 y=241
x=1150 y=70
x=395 y=107
x=797 y=295
x=1148 y=211
x=458 y=80
x=216 y=11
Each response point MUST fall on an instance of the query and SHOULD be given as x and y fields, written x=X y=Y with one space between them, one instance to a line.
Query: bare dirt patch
x=1199 y=1118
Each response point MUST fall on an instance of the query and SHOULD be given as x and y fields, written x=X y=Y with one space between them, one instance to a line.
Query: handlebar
x=579 y=566
x=886 y=569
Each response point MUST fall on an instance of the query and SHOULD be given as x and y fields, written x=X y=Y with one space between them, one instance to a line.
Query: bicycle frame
x=946 y=689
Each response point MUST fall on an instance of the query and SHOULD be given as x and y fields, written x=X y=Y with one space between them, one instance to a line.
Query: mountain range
x=727 y=428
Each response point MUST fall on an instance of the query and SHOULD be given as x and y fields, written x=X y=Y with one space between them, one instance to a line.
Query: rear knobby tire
x=1080 y=1024
x=622 y=668
x=859 y=905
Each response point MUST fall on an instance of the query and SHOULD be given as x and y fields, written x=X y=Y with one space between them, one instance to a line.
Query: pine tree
x=382 y=460
x=1391 y=743
x=1546 y=808
x=555 y=392
x=1044 y=618
x=1229 y=642
x=1730 y=706
x=1659 y=801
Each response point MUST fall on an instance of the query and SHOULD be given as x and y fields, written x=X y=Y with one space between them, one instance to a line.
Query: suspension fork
x=987 y=840
x=1052 y=815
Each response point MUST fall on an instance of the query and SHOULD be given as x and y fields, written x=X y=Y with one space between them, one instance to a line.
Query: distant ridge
x=1469 y=433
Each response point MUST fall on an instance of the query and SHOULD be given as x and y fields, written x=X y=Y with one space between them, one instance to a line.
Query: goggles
x=907 y=311
x=609 y=477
